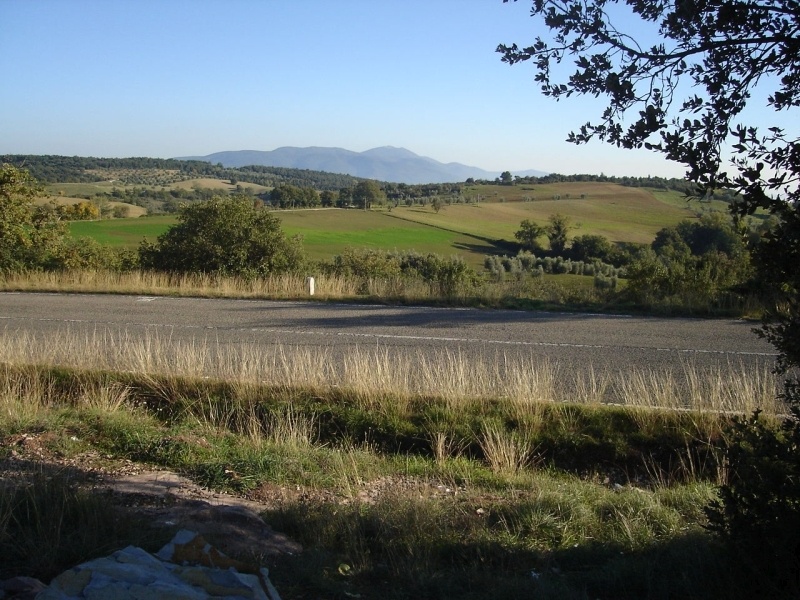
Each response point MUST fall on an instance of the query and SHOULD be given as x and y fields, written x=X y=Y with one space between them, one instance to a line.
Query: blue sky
x=166 y=78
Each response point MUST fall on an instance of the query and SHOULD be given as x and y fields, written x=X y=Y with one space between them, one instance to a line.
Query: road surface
x=567 y=340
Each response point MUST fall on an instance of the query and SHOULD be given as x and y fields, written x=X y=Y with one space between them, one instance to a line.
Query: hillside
x=52 y=169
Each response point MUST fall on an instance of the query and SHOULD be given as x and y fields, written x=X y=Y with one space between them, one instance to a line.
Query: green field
x=621 y=214
x=328 y=232
x=122 y=232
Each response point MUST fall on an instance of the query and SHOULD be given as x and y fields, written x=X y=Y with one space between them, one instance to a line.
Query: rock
x=188 y=568
x=231 y=524
x=187 y=547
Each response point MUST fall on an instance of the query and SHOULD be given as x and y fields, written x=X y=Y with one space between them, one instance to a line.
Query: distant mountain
x=387 y=163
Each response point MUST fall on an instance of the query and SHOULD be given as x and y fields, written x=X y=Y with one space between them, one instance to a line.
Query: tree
x=30 y=236
x=590 y=247
x=506 y=178
x=345 y=197
x=366 y=193
x=557 y=232
x=528 y=234
x=684 y=96
x=694 y=263
x=225 y=235
x=328 y=198
x=35 y=237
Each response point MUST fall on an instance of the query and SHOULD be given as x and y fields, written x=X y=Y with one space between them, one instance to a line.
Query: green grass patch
x=126 y=233
x=329 y=232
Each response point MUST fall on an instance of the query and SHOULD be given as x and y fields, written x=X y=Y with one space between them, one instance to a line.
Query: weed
x=506 y=452
x=48 y=524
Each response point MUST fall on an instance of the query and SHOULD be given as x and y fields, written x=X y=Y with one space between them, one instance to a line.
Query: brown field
x=134 y=211
x=217 y=184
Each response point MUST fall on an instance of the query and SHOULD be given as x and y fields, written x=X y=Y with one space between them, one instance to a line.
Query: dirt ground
x=166 y=499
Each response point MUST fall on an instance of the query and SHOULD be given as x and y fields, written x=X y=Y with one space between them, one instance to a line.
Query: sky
x=169 y=78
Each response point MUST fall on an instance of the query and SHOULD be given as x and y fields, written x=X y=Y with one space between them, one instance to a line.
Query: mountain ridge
x=384 y=163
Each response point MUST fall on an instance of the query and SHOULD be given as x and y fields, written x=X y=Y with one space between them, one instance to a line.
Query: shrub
x=365 y=262
x=225 y=236
x=449 y=276
x=758 y=513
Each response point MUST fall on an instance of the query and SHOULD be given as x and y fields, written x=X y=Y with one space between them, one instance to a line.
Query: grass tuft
x=49 y=524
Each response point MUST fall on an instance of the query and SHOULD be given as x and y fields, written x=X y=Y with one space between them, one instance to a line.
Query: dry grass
x=279 y=287
x=391 y=381
x=506 y=452
x=735 y=389
x=141 y=282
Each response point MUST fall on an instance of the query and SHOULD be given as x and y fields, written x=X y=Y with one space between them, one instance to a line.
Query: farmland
x=471 y=230
x=122 y=232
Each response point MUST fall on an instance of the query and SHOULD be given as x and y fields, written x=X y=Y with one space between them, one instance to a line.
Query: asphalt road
x=568 y=340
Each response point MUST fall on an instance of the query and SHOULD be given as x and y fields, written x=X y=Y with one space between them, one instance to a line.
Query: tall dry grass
x=278 y=287
x=736 y=389
x=196 y=284
x=392 y=380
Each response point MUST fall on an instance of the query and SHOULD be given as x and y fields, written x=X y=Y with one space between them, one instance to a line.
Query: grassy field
x=217 y=184
x=470 y=230
x=75 y=190
x=325 y=233
x=621 y=214
x=329 y=231
x=71 y=193
x=122 y=232
x=105 y=187
x=133 y=210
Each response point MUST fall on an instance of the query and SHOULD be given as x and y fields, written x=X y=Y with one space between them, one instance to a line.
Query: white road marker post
x=310 y=283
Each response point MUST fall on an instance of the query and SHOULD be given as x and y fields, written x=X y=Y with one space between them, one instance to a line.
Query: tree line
x=50 y=169
x=660 y=183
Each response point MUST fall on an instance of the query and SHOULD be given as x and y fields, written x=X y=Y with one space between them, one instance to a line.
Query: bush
x=588 y=247
x=226 y=236
x=29 y=235
x=758 y=513
x=366 y=263
x=449 y=276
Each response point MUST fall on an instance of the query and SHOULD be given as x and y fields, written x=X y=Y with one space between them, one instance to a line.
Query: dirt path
x=166 y=499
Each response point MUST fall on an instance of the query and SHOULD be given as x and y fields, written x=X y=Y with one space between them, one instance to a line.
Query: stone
x=187 y=568
x=188 y=547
